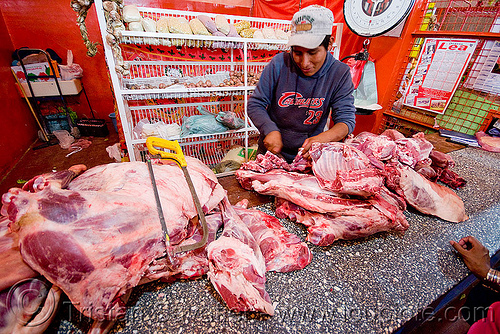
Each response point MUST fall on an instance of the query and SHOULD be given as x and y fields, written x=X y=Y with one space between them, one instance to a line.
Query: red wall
x=52 y=24
x=18 y=128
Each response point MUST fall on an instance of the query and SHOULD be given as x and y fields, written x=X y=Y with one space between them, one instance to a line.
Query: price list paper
x=441 y=64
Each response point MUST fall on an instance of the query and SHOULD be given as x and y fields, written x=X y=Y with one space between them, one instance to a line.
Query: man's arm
x=261 y=99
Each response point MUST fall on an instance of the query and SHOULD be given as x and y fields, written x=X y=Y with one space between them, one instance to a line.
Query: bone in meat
x=237 y=266
x=282 y=250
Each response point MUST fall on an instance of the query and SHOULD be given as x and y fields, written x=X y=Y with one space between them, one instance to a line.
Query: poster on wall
x=441 y=64
x=485 y=74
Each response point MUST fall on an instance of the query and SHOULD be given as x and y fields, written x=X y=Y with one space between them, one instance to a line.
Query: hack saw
x=171 y=150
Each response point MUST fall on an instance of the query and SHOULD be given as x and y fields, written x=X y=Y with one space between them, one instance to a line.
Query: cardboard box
x=39 y=69
x=70 y=87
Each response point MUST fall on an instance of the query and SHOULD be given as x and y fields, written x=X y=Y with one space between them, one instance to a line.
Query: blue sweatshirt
x=285 y=100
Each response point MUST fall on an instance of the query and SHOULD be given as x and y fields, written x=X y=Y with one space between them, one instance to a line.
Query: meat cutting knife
x=175 y=154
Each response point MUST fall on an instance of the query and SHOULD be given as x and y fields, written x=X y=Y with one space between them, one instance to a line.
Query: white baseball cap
x=310 y=25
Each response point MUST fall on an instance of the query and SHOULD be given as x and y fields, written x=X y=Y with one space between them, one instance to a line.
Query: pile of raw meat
x=97 y=235
x=359 y=187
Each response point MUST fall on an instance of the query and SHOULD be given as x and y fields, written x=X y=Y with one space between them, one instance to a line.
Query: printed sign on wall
x=440 y=66
x=485 y=74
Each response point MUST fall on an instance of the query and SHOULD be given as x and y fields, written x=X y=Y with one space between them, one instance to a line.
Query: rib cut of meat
x=330 y=157
x=237 y=266
x=377 y=148
x=390 y=205
x=324 y=229
x=269 y=161
x=451 y=179
x=265 y=162
x=431 y=198
x=301 y=189
x=412 y=150
x=106 y=227
x=282 y=250
x=359 y=182
x=344 y=169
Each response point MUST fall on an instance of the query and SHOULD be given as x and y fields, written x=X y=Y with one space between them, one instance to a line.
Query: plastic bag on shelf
x=148 y=24
x=167 y=131
x=137 y=131
x=222 y=24
x=208 y=23
x=145 y=129
x=230 y=119
x=160 y=129
x=135 y=26
x=201 y=124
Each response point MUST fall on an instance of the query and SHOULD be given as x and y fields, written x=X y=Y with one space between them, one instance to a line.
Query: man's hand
x=273 y=142
x=474 y=254
x=336 y=133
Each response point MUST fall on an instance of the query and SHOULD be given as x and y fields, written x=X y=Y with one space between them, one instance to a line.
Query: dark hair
x=326 y=42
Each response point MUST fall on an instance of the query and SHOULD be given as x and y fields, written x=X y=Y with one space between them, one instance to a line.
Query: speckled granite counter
x=372 y=285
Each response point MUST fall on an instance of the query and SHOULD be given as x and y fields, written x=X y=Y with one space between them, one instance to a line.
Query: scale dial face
x=370 y=18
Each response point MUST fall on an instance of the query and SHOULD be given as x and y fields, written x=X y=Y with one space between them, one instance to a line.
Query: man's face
x=309 y=60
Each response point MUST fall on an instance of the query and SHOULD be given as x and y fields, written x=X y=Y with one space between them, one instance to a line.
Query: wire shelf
x=210 y=149
x=175 y=112
x=237 y=42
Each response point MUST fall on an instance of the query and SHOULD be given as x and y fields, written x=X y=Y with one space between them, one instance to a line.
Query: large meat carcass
x=97 y=238
x=98 y=235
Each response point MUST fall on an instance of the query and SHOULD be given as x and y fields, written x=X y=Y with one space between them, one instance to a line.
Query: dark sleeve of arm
x=261 y=99
x=343 y=110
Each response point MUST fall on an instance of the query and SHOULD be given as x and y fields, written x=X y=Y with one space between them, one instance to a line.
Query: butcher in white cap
x=297 y=90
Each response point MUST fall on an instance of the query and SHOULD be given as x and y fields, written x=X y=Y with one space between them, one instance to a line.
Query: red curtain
x=284 y=10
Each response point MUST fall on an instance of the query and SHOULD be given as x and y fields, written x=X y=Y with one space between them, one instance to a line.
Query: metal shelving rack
x=146 y=72
x=34 y=100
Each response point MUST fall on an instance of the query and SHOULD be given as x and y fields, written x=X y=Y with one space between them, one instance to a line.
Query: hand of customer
x=476 y=257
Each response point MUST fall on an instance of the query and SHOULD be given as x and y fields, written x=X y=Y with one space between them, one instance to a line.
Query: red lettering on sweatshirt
x=292 y=98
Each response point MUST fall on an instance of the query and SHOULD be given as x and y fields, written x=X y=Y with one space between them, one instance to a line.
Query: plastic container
x=113 y=120
x=92 y=127
x=57 y=122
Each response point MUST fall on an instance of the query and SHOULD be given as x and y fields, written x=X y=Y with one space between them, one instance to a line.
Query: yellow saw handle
x=176 y=155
